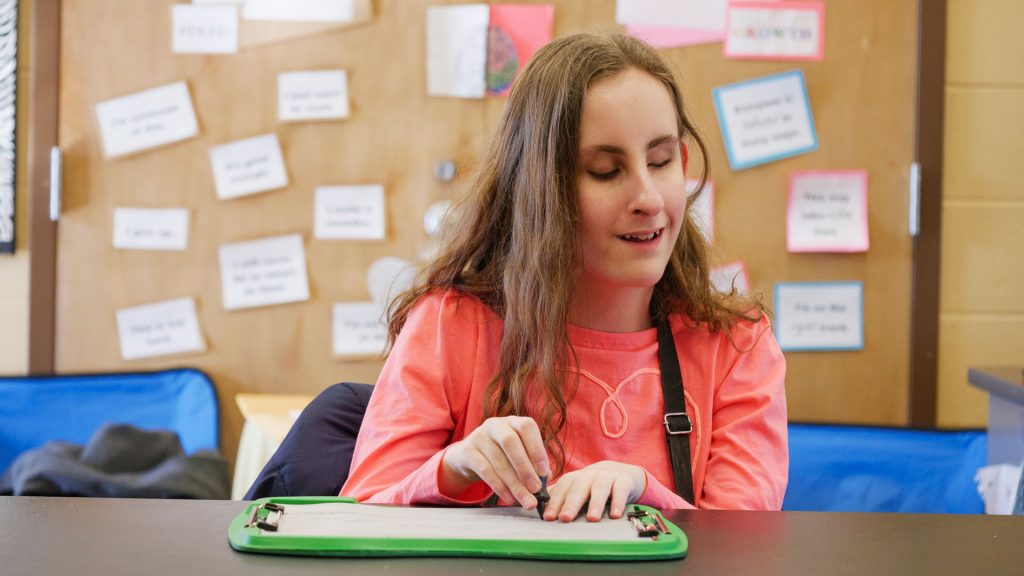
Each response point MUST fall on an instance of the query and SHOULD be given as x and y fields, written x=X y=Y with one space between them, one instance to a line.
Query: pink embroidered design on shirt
x=613 y=397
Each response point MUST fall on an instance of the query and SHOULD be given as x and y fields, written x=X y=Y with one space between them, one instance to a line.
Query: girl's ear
x=684 y=153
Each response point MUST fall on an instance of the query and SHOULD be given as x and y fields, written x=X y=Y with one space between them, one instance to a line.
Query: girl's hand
x=622 y=483
x=506 y=453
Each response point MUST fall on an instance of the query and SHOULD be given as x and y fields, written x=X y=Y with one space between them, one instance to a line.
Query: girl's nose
x=646 y=197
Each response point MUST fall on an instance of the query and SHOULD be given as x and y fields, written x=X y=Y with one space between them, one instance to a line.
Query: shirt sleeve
x=411 y=417
x=659 y=496
x=748 y=463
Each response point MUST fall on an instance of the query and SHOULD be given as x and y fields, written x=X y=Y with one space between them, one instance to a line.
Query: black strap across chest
x=677 y=422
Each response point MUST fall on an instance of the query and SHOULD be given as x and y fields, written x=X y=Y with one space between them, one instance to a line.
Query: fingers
x=529 y=434
x=500 y=474
x=508 y=455
x=517 y=438
x=592 y=489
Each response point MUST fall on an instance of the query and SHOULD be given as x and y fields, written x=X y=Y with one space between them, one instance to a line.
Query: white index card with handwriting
x=159 y=329
x=819 y=315
x=692 y=14
x=359 y=329
x=248 y=166
x=300 y=10
x=457 y=50
x=201 y=29
x=263 y=272
x=349 y=212
x=146 y=119
x=765 y=119
x=151 y=228
x=312 y=95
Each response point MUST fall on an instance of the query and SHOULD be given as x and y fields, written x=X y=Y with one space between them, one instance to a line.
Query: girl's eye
x=605 y=175
x=661 y=164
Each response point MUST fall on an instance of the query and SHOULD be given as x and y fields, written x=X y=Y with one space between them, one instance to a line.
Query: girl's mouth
x=642 y=237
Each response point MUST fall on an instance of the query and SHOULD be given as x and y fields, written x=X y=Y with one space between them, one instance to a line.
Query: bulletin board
x=862 y=96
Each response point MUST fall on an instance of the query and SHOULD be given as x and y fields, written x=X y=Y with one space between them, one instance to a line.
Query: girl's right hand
x=507 y=453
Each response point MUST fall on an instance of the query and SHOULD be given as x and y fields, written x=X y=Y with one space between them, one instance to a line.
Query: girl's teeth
x=647 y=237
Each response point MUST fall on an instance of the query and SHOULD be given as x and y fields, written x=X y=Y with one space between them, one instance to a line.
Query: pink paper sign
x=775 y=31
x=515 y=33
x=665 y=37
x=827 y=211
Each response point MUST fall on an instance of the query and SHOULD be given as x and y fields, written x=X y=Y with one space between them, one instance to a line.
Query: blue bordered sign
x=814 y=316
x=765 y=119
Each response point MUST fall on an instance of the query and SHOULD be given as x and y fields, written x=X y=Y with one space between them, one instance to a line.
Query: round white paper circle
x=434 y=217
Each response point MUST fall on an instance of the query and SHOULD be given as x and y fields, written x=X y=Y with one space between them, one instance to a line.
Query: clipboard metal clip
x=647 y=525
x=268 y=521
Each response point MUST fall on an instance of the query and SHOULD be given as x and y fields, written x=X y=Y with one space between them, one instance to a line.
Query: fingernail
x=529 y=502
x=534 y=486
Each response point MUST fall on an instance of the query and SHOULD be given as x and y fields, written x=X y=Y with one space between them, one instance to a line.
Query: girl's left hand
x=622 y=483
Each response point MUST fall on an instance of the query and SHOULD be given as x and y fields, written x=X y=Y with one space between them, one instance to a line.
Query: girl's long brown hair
x=513 y=242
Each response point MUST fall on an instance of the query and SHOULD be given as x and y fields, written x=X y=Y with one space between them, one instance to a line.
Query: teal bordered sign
x=315 y=526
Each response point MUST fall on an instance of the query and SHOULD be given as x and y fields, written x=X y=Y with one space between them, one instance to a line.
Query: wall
x=981 y=320
x=14 y=269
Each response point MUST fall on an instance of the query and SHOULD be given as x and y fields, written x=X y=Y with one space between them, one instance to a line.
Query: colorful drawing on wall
x=8 y=89
x=515 y=33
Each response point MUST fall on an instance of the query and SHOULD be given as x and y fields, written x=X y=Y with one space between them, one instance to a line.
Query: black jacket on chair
x=314 y=458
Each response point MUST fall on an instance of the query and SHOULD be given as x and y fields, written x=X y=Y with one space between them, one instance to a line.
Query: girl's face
x=630 y=181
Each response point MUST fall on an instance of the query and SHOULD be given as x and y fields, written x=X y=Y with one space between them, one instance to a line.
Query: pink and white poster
x=827 y=211
x=775 y=31
x=515 y=33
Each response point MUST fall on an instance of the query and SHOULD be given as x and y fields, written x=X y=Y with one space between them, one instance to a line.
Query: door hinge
x=55 y=183
x=915 y=199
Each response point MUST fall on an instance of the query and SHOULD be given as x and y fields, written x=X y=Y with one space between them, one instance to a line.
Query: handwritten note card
x=248 y=166
x=263 y=272
x=169 y=327
x=150 y=229
x=765 y=119
x=703 y=208
x=299 y=10
x=146 y=119
x=775 y=31
x=457 y=50
x=204 y=29
x=729 y=276
x=359 y=329
x=349 y=212
x=828 y=212
x=820 y=316
x=313 y=95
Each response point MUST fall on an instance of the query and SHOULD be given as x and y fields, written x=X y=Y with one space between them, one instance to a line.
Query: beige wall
x=14 y=270
x=981 y=321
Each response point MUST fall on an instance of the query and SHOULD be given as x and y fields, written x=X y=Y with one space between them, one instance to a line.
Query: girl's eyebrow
x=612 y=149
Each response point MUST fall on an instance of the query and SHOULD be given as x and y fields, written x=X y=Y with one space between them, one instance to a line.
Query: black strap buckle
x=677 y=423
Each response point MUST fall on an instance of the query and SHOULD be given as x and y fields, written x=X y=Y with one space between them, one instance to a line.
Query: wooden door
x=862 y=96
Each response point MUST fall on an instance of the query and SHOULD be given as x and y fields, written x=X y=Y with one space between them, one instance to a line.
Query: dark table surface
x=82 y=536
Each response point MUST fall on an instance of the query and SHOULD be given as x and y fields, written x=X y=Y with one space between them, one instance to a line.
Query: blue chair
x=36 y=410
x=879 y=469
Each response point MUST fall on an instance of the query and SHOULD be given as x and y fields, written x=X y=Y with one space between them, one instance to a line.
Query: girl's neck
x=611 y=310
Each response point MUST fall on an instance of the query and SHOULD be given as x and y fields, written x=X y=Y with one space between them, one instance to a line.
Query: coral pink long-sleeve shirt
x=430 y=395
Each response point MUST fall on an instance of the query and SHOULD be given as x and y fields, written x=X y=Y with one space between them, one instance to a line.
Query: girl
x=527 y=348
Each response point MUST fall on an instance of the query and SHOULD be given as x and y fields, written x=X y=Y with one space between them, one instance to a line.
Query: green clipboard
x=338 y=526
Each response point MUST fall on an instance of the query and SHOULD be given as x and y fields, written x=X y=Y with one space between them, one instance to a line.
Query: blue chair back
x=878 y=469
x=36 y=410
